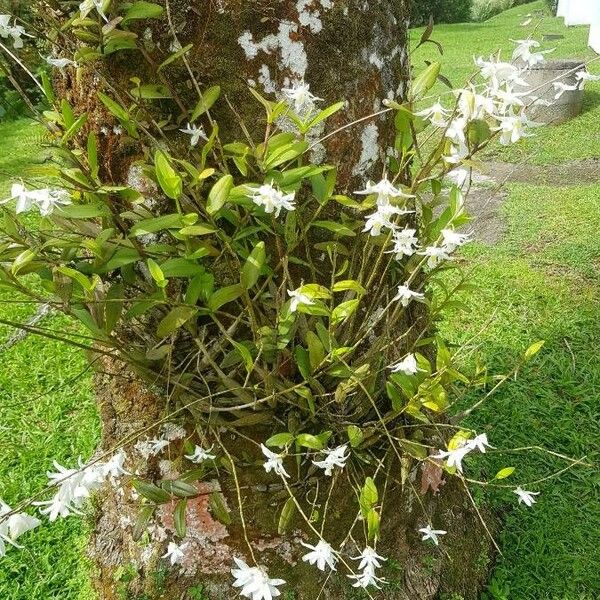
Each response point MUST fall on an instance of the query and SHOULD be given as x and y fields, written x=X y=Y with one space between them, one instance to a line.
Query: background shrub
x=481 y=10
x=443 y=11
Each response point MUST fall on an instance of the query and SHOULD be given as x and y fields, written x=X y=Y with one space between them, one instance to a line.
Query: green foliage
x=482 y=10
x=442 y=11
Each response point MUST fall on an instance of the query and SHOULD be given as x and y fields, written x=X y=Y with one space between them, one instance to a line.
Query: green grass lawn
x=577 y=139
x=541 y=281
x=46 y=413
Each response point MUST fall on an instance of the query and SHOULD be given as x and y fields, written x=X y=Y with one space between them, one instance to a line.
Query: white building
x=582 y=12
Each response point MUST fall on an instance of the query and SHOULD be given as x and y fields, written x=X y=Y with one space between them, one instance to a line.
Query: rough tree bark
x=346 y=49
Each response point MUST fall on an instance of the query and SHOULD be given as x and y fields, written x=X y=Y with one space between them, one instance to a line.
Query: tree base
x=135 y=570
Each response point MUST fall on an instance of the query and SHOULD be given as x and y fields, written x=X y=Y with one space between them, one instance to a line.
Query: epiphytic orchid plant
x=227 y=281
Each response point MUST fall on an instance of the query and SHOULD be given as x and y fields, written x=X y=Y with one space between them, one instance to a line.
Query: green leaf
x=349 y=284
x=150 y=91
x=143 y=10
x=141 y=523
x=337 y=228
x=315 y=291
x=355 y=436
x=22 y=260
x=179 y=518
x=83 y=211
x=218 y=194
x=175 y=319
x=287 y=515
x=326 y=113
x=224 y=296
x=425 y=80
x=179 y=488
x=316 y=351
x=114 y=108
x=344 y=310
x=157 y=274
x=200 y=287
x=47 y=85
x=197 y=230
x=253 y=266
x=151 y=492
x=280 y=440
x=218 y=508
x=74 y=128
x=168 y=179
x=245 y=354
x=175 y=56
x=92 y=152
x=209 y=97
x=415 y=449
x=533 y=349
x=504 y=473
x=307 y=440
x=155 y=224
x=80 y=278
x=285 y=154
x=368 y=497
x=373 y=522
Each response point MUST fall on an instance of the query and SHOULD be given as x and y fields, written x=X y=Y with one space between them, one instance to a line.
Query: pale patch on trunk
x=370 y=153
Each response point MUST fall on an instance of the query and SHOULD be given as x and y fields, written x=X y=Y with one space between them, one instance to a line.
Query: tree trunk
x=353 y=50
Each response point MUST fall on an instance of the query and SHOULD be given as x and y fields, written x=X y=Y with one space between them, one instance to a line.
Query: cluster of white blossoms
x=256 y=584
x=272 y=199
x=16 y=32
x=560 y=87
x=13 y=526
x=369 y=561
x=383 y=217
x=498 y=101
x=76 y=485
x=455 y=456
x=333 y=458
x=525 y=53
x=404 y=240
x=45 y=200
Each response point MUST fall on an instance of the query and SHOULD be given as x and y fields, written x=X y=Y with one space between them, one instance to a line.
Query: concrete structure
x=541 y=78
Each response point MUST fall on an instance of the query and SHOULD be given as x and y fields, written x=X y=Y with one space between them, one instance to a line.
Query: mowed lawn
x=541 y=281
x=46 y=413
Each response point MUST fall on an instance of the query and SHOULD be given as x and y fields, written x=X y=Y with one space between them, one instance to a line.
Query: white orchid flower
x=408 y=365
x=301 y=97
x=196 y=133
x=526 y=497
x=272 y=199
x=200 y=455
x=455 y=457
x=175 y=553
x=334 y=458
x=274 y=462
x=321 y=555
x=432 y=534
x=254 y=582
x=298 y=299
x=406 y=295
